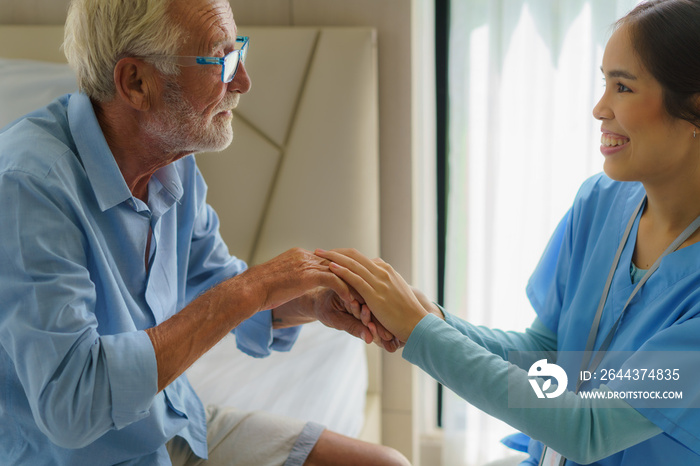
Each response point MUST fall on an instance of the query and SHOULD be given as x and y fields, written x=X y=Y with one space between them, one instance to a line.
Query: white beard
x=179 y=128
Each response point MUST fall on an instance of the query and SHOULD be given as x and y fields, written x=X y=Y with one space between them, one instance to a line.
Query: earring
x=694 y=134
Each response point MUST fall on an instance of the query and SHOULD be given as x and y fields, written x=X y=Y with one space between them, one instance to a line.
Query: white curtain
x=524 y=77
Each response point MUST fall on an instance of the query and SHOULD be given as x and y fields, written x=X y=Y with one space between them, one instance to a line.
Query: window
x=523 y=78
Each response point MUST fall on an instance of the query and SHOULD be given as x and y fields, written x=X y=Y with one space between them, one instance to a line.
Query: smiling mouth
x=609 y=140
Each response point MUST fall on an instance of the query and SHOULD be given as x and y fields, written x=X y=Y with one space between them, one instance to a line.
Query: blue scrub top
x=660 y=328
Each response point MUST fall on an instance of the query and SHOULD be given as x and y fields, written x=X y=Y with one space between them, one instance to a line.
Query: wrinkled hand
x=300 y=287
x=386 y=294
x=291 y=275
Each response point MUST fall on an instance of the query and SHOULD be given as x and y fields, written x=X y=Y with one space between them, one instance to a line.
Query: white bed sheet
x=323 y=378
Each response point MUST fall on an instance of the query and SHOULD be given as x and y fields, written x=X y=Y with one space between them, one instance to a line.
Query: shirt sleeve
x=211 y=263
x=79 y=383
x=543 y=284
x=257 y=338
x=583 y=430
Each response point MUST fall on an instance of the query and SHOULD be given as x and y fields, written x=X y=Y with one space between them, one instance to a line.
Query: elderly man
x=113 y=276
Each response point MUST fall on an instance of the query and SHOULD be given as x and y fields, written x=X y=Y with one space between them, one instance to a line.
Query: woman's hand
x=386 y=294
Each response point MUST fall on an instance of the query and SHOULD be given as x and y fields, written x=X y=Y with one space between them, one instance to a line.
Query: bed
x=302 y=171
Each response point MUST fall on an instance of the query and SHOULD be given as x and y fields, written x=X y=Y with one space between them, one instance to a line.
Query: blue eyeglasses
x=229 y=63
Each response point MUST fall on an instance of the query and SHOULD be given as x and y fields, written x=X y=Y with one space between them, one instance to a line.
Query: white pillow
x=27 y=85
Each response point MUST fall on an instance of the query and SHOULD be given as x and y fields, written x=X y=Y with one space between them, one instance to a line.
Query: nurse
x=617 y=290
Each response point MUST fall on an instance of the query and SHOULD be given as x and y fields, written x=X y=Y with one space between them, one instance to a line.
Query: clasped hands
x=385 y=304
x=341 y=288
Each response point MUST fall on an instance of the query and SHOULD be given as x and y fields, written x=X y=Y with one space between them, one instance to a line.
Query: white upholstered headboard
x=303 y=169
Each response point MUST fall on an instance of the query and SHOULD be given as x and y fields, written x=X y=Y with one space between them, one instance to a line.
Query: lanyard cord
x=596 y=321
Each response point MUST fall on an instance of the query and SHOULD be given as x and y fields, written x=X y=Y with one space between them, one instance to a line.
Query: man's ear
x=135 y=81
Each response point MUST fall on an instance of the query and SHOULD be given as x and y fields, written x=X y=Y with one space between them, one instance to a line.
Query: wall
x=403 y=142
x=406 y=91
x=405 y=145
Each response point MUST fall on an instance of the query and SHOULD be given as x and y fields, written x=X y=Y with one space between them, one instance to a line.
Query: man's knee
x=338 y=450
x=395 y=458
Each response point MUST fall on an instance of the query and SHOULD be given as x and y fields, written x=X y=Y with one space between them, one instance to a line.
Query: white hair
x=98 y=33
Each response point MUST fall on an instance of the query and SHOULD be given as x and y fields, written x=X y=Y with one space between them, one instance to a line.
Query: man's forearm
x=185 y=337
x=182 y=339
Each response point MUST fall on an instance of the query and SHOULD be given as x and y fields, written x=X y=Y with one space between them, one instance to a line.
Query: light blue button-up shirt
x=78 y=375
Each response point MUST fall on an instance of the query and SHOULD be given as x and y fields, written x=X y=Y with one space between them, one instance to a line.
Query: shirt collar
x=169 y=178
x=101 y=168
x=165 y=180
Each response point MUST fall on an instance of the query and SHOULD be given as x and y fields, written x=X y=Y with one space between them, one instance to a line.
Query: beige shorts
x=249 y=439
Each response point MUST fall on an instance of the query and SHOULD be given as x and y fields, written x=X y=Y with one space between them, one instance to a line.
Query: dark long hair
x=666 y=36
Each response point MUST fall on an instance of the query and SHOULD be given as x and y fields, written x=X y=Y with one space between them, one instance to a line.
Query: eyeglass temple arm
x=209 y=60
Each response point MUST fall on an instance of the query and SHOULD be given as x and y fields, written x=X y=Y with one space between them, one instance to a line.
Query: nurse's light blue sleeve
x=211 y=263
x=537 y=339
x=584 y=430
